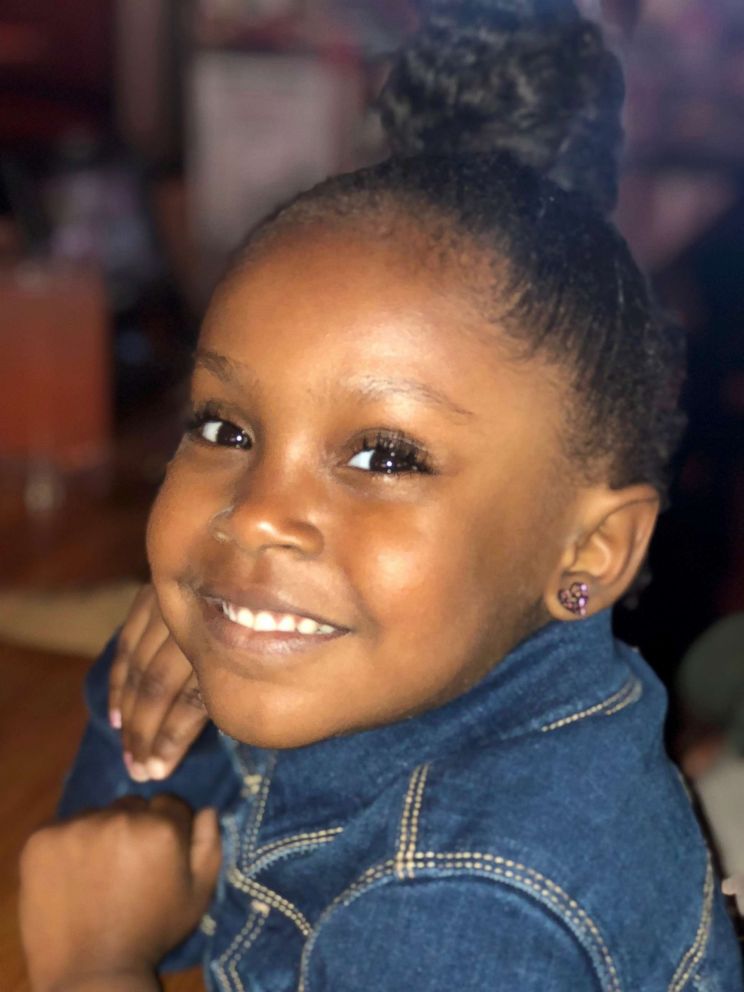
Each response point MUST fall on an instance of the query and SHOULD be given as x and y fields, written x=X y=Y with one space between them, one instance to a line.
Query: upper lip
x=257 y=598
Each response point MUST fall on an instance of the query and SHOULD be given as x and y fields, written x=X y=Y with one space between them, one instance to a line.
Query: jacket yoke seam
x=262 y=894
x=492 y=867
x=408 y=862
x=269 y=853
x=226 y=966
x=408 y=830
x=695 y=952
x=251 y=838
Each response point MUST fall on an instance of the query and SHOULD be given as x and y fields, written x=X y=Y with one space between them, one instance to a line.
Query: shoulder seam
x=629 y=693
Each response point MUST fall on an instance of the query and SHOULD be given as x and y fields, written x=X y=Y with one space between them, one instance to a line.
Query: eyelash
x=401 y=455
x=394 y=446
x=201 y=416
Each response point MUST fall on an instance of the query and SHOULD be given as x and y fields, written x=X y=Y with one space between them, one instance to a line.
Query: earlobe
x=614 y=528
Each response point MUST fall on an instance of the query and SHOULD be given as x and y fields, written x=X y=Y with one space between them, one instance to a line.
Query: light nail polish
x=156 y=768
x=138 y=772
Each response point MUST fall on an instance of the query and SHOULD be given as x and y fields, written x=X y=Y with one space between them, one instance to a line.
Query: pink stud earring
x=575 y=599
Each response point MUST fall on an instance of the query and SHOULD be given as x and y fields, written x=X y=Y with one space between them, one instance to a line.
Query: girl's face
x=365 y=514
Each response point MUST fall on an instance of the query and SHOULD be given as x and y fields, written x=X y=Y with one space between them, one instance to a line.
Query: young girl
x=433 y=406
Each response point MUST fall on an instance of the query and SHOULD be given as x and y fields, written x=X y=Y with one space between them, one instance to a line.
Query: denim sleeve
x=441 y=934
x=205 y=777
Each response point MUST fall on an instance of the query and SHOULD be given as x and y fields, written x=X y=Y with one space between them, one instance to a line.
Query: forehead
x=343 y=307
x=348 y=289
x=319 y=267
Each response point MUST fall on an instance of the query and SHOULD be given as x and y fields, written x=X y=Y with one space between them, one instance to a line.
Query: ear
x=609 y=540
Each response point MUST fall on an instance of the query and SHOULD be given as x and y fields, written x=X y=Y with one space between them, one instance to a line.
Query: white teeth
x=270 y=623
x=307 y=626
x=264 y=622
x=238 y=614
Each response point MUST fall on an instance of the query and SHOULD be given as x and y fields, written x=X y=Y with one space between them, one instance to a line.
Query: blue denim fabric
x=98 y=777
x=530 y=835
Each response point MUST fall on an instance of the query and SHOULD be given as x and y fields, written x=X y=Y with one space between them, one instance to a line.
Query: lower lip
x=268 y=645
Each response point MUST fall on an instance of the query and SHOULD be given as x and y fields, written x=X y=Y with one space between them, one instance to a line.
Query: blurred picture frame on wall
x=263 y=126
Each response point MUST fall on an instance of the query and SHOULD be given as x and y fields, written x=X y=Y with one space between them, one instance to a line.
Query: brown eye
x=389 y=455
x=219 y=432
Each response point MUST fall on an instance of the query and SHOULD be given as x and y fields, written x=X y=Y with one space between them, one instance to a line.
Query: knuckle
x=136 y=742
x=151 y=686
x=124 y=648
x=34 y=847
x=127 y=805
x=135 y=674
x=120 y=827
x=162 y=827
x=172 y=736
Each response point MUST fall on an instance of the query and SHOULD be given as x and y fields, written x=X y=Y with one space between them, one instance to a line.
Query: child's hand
x=153 y=695
x=106 y=895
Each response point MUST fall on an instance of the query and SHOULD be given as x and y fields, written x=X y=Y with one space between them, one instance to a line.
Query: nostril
x=253 y=531
x=219 y=525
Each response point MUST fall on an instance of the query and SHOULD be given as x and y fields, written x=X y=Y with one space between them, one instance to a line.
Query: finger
x=178 y=730
x=126 y=804
x=117 y=676
x=162 y=684
x=129 y=637
x=206 y=854
x=152 y=640
x=174 y=809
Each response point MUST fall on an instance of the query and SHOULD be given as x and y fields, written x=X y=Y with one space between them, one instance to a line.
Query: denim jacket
x=529 y=835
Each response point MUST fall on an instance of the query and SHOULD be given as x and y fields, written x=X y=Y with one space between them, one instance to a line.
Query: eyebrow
x=228 y=371
x=366 y=386
x=374 y=388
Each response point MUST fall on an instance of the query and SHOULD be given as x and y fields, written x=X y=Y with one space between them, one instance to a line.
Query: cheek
x=417 y=571
x=178 y=520
x=459 y=582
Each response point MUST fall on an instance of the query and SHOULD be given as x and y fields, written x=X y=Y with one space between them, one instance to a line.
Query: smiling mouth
x=267 y=622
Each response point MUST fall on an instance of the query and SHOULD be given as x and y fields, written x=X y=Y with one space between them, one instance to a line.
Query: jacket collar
x=561 y=670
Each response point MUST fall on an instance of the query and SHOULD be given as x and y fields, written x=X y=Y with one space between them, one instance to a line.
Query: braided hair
x=503 y=121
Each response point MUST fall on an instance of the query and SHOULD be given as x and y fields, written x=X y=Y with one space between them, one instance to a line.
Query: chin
x=269 y=736
x=262 y=723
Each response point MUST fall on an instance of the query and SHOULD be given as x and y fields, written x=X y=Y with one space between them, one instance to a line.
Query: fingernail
x=729 y=886
x=115 y=719
x=138 y=772
x=156 y=768
x=136 y=769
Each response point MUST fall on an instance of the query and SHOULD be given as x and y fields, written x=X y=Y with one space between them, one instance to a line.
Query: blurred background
x=139 y=139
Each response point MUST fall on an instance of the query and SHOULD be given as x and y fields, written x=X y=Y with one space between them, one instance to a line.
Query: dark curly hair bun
x=529 y=77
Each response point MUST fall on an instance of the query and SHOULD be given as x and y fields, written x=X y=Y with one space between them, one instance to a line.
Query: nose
x=269 y=510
